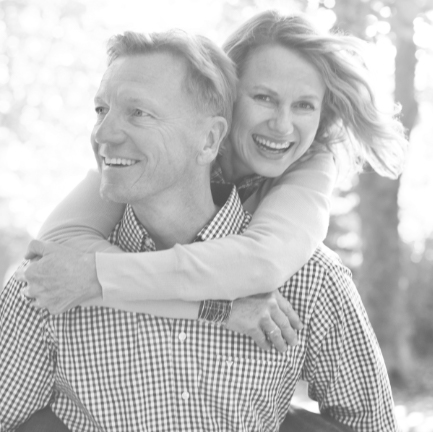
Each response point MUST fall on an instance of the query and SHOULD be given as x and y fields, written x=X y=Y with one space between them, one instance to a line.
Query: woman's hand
x=58 y=278
x=267 y=318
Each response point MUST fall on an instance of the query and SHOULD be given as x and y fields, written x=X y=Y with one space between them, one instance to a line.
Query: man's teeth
x=119 y=161
x=271 y=144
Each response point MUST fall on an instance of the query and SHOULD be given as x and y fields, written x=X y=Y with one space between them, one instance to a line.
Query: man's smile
x=118 y=162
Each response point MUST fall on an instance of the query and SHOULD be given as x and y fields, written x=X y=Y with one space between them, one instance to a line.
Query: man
x=105 y=369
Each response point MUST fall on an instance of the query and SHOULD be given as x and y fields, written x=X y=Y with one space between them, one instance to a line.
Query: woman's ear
x=216 y=133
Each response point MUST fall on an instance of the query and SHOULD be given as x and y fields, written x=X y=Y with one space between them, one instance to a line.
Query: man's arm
x=344 y=365
x=26 y=359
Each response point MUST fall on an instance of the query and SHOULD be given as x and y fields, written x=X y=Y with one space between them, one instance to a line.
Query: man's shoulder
x=322 y=287
x=328 y=259
x=324 y=263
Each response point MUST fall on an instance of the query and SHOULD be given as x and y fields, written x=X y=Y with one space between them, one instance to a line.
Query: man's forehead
x=142 y=68
x=159 y=76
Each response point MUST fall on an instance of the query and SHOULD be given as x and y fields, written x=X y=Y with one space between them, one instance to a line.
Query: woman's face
x=276 y=114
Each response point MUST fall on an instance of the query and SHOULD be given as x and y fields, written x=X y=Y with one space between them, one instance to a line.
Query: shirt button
x=185 y=395
x=182 y=336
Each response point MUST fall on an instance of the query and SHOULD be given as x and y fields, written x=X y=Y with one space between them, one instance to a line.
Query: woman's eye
x=306 y=106
x=263 y=98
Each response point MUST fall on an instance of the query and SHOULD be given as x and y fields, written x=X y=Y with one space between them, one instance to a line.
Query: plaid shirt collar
x=246 y=186
x=132 y=236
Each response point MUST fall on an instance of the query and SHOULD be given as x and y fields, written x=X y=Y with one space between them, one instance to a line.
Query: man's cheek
x=95 y=148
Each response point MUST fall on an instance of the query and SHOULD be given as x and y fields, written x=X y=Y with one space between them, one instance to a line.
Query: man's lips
x=118 y=162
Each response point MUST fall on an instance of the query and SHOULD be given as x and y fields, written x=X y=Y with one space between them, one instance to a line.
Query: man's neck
x=176 y=217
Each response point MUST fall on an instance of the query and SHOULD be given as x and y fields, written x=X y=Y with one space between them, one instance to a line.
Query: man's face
x=147 y=130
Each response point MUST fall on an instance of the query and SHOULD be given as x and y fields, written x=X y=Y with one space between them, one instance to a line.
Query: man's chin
x=112 y=193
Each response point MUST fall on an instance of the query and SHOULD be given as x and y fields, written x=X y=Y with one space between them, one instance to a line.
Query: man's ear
x=216 y=133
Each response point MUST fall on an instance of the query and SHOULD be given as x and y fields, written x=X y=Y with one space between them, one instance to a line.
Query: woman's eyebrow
x=275 y=94
x=310 y=96
x=265 y=88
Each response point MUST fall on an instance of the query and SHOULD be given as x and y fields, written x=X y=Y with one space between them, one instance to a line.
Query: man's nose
x=109 y=130
x=282 y=122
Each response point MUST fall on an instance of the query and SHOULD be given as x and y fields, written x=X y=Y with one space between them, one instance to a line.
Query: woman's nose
x=282 y=122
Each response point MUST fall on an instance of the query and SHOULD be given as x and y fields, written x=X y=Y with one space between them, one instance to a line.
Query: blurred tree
x=380 y=275
x=235 y=12
x=47 y=77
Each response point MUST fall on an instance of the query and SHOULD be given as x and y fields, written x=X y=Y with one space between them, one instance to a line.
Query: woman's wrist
x=215 y=311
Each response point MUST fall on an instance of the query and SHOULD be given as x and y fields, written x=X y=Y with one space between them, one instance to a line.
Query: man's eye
x=139 y=113
x=101 y=110
x=263 y=98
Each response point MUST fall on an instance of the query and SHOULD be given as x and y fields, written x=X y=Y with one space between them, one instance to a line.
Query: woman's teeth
x=119 y=161
x=270 y=145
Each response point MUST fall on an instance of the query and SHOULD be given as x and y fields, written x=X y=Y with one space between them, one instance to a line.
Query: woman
x=279 y=155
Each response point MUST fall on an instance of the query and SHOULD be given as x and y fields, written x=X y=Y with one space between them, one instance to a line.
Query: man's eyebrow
x=129 y=99
x=140 y=101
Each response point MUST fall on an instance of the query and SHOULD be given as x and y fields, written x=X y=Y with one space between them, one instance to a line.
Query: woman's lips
x=271 y=145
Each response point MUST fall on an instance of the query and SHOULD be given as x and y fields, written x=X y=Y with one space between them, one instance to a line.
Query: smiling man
x=156 y=136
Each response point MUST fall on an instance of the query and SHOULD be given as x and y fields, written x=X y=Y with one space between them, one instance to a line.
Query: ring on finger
x=273 y=331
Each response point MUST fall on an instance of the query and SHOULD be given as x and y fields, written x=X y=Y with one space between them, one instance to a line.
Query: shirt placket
x=186 y=374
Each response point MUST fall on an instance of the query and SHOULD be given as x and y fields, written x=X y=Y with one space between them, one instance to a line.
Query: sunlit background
x=52 y=56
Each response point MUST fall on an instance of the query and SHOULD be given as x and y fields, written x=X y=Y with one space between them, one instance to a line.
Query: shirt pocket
x=242 y=392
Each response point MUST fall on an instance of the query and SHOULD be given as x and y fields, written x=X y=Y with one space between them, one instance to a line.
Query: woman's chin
x=271 y=167
x=270 y=170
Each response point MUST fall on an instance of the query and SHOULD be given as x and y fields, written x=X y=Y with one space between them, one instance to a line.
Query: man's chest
x=170 y=373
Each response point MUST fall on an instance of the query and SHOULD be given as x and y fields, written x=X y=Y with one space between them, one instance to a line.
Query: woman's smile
x=271 y=145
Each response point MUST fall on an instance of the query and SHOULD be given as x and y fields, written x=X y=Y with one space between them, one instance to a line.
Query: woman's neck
x=227 y=162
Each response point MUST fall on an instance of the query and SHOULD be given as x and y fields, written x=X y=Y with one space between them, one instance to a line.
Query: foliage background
x=52 y=55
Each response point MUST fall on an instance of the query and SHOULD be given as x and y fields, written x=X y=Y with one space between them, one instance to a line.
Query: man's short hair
x=211 y=75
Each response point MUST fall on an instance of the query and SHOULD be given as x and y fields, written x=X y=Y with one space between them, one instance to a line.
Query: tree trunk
x=380 y=273
x=379 y=277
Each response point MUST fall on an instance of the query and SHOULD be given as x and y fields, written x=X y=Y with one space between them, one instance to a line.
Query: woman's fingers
x=260 y=339
x=288 y=334
x=289 y=312
x=275 y=336
x=266 y=319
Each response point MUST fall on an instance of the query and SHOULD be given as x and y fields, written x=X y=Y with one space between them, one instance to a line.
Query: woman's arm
x=290 y=219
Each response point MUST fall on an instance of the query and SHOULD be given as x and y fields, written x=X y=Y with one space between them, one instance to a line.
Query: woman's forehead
x=279 y=67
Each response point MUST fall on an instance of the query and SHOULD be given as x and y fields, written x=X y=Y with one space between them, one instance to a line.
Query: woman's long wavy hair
x=350 y=115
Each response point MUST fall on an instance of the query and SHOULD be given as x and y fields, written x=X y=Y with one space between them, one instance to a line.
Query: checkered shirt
x=246 y=186
x=103 y=369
